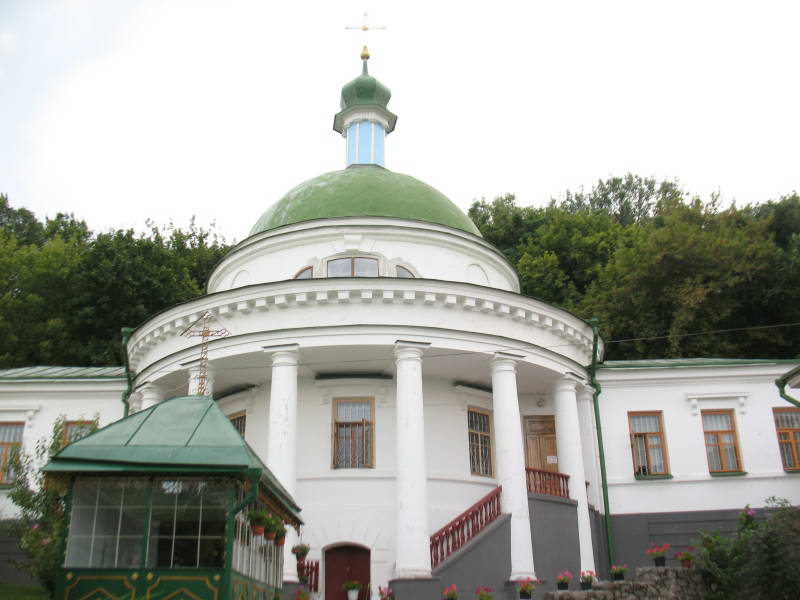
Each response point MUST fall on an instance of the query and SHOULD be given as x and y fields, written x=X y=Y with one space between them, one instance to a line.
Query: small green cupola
x=364 y=120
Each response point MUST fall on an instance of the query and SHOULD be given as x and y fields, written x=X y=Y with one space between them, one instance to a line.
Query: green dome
x=364 y=191
x=365 y=90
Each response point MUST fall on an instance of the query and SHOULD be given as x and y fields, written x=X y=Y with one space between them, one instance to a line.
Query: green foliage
x=759 y=561
x=652 y=262
x=10 y=591
x=42 y=502
x=65 y=291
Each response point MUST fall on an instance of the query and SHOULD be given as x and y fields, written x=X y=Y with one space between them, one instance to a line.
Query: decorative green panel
x=140 y=584
x=245 y=588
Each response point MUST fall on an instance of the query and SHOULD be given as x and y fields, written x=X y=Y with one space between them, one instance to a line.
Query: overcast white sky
x=120 y=111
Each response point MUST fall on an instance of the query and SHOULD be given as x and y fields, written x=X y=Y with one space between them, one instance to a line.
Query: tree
x=41 y=499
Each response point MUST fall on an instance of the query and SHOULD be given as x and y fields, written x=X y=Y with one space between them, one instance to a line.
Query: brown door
x=344 y=563
x=540 y=443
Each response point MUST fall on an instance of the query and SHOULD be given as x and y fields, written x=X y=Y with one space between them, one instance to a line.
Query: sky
x=127 y=111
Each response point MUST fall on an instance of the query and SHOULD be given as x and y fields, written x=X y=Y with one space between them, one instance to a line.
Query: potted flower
x=686 y=557
x=618 y=572
x=658 y=554
x=257 y=519
x=526 y=587
x=563 y=579
x=450 y=593
x=484 y=593
x=385 y=593
x=351 y=587
x=301 y=594
x=280 y=534
x=271 y=523
x=587 y=578
x=300 y=551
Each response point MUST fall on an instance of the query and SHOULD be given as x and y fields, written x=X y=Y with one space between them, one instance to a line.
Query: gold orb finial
x=365 y=54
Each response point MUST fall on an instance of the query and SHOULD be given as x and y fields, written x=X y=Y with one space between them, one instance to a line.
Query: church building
x=434 y=425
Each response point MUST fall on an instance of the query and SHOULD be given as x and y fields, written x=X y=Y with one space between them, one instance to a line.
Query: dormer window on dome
x=356 y=266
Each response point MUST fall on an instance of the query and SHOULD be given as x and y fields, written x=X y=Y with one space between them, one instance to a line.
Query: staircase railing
x=465 y=526
x=308 y=570
x=548 y=482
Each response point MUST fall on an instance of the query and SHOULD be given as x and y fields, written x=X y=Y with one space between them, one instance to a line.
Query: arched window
x=404 y=273
x=306 y=273
x=353 y=266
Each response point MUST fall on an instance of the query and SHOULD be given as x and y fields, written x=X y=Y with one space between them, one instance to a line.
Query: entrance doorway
x=346 y=563
x=540 y=443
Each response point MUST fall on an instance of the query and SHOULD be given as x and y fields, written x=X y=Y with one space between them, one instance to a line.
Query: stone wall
x=650 y=583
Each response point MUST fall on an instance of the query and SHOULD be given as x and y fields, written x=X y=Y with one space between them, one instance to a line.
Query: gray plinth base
x=417 y=589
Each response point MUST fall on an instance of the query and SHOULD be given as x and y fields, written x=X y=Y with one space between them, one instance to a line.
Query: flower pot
x=617 y=576
x=270 y=535
x=562 y=585
x=280 y=541
x=352 y=594
x=686 y=563
x=301 y=557
x=586 y=585
x=524 y=594
x=257 y=529
x=660 y=561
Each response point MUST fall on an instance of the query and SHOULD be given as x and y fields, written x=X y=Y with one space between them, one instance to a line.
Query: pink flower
x=35 y=527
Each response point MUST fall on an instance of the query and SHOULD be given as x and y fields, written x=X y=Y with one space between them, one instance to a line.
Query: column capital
x=567 y=383
x=408 y=350
x=585 y=392
x=503 y=361
x=285 y=355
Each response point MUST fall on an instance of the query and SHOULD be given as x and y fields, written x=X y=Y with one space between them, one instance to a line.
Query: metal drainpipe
x=126 y=334
x=603 y=477
x=254 y=475
x=781 y=383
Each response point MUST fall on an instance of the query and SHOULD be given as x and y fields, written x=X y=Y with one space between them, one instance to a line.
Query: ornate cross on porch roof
x=205 y=332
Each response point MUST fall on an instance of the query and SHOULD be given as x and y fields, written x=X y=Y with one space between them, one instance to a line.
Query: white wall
x=39 y=404
x=428 y=250
x=748 y=390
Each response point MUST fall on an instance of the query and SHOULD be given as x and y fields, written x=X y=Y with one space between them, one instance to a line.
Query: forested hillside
x=645 y=258
x=65 y=291
x=650 y=261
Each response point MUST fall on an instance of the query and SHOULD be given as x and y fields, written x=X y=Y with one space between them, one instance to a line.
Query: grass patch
x=12 y=591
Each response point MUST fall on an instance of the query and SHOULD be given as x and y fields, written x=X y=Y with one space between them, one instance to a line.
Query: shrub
x=759 y=561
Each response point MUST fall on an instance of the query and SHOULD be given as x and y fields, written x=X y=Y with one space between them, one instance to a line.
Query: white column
x=194 y=381
x=570 y=461
x=413 y=558
x=282 y=438
x=588 y=444
x=150 y=396
x=510 y=460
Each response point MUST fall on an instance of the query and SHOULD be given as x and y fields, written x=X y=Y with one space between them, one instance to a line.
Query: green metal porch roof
x=186 y=434
x=45 y=372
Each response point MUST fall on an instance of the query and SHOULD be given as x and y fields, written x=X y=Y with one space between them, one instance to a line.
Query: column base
x=428 y=588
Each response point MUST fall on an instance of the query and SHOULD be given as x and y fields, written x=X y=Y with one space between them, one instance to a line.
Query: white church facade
x=421 y=411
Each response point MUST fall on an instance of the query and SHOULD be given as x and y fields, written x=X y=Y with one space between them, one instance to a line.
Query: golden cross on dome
x=366 y=28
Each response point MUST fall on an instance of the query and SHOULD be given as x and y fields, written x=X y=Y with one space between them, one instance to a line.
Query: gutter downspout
x=603 y=476
x=126 y=335
x=781 y=383
x=254 y=475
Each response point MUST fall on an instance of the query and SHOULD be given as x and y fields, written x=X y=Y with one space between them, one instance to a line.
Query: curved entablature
x=300 y=305
x=400 y=249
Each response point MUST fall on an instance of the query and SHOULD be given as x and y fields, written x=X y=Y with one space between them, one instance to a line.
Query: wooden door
x=540 y=443
x=344 y=563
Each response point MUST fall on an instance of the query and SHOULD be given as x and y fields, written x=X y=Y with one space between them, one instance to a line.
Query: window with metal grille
x=10 y=440
x=239 y=422
x=647 y=443
x=354 y=266
x=787 y=424
x=722 y=448
x=353 y=433
x=479 y=426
